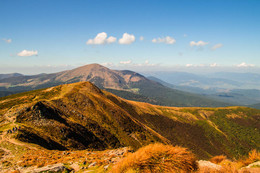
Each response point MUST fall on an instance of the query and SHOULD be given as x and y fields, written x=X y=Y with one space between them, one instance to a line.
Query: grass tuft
x=158 y=158
x=218 y=159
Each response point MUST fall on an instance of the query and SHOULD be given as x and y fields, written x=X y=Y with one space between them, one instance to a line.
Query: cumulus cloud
x=243 y=64
x=199 y=43
x=111 y=39
x=127 y=39
x=28 y=53
x=166 y=40
x=101 y=38
x=141 y=38
x=7 y=40
x=216 y=46
x=126 y=62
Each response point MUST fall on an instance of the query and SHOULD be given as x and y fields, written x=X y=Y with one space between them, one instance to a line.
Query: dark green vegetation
x=80 y=116
x=126 y=84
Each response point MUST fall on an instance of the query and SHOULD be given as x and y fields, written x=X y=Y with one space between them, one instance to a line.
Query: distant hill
x=3 y=76
x=80 y=116
x=126 y=84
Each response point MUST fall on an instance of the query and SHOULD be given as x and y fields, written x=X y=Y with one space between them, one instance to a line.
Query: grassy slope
x=61 y=117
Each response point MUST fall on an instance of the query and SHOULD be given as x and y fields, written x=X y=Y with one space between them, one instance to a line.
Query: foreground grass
x=153 y=158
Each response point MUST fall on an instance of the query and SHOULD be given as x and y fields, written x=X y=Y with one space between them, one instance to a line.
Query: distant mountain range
x=3 y=76
x=124 y=83
x=242 y=97
x=218 y=81
x=81 y=116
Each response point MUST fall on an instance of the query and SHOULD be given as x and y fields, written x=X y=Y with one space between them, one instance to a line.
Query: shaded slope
x=80 y=115
x=76 y=116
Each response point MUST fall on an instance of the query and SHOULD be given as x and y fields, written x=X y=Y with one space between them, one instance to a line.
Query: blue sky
x=51 y=35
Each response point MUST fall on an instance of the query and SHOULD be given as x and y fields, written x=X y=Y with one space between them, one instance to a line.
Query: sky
x=39 y=36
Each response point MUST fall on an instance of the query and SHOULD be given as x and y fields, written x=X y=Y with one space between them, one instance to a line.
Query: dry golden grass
x=218 y=159
x=232 y=166
x=42 y=158
x=253 y=156
x=157 y=158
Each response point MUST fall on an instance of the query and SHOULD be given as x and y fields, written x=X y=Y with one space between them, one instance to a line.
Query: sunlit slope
x=80 y=115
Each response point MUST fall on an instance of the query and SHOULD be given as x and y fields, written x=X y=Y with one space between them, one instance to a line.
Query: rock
x=120 y=151
x=255 y=164
x=106 y=167
x=59 y=167
x=208 y=164
x=92 y=164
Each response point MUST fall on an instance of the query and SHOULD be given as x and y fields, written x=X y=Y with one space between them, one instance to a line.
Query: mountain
x=3 y=76
x=81 y=116
x=126 y=84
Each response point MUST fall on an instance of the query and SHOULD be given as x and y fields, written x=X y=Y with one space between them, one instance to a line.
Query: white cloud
x=189 y=65
x=108 y=64
x=199 y=43
x=127 y=39
x=166 y=40
x=141 y=38
x=185 y=35
x=213 y=65
x=243 y=64
x=28 y=53
x=111 y=39
x=126 y=62
x=7 y=40
x=216 y=46
x=101 y=38
x=196 y=65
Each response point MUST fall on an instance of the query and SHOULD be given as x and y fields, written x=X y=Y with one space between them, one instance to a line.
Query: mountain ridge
x=115 y=80
x=80 y=116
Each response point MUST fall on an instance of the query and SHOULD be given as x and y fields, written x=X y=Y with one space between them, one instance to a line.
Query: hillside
x=3 y=76
x=81 y=116
x=126 y=84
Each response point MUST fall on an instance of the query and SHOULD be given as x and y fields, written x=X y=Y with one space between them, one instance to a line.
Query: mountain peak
x=90 y=67
x=94 y=65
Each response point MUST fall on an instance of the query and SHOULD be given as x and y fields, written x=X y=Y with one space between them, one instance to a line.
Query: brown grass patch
x=218 y=159
x=158 y=158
